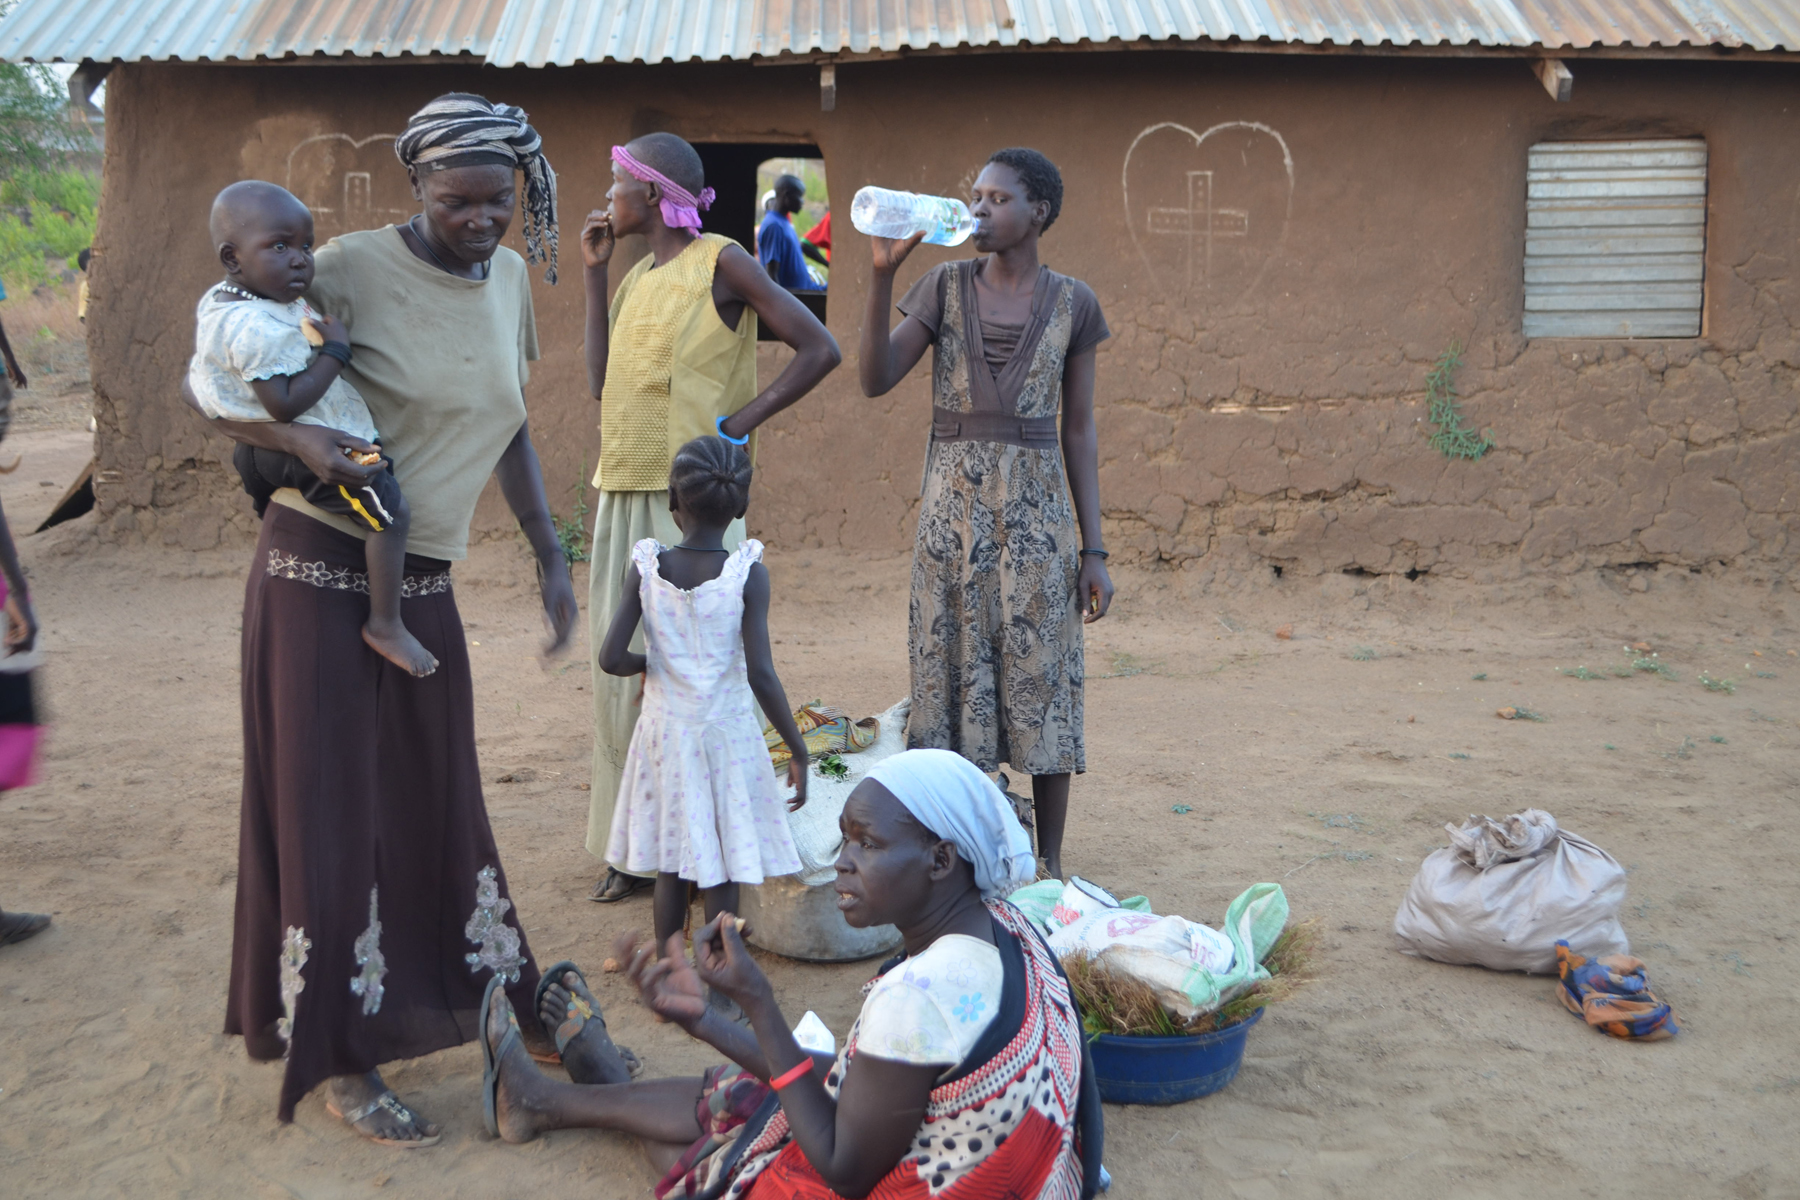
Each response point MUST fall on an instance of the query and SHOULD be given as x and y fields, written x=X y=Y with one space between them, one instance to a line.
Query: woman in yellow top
x=684 y=321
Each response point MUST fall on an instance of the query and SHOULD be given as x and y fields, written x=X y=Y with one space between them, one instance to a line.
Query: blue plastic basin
x=1168 y=1070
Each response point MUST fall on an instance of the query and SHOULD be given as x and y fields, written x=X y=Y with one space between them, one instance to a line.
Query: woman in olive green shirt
x=371 y=907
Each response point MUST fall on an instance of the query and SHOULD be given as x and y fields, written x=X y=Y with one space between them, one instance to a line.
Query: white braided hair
x=458 y=126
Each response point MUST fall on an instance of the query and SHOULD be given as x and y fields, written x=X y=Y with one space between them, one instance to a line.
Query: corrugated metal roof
x=132 y=30
x=563 y=32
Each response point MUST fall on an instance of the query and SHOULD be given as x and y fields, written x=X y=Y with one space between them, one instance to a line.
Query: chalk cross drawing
x=1199 y=223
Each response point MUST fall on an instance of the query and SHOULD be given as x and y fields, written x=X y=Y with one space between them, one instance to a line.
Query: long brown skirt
x=371 y=908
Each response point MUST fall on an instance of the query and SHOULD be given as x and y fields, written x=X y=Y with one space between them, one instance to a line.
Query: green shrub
x=47 y=220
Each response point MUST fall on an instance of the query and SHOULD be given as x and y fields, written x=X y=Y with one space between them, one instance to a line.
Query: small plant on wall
x=1453 y=438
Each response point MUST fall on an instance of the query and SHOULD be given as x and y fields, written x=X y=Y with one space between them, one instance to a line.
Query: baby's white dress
x=698 y=797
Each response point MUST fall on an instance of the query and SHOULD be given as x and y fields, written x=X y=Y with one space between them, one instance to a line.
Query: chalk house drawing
x=349 y=183
x=1207 y=211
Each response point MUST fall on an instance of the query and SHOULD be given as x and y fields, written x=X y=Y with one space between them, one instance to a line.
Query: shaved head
x=252 y=205
x=671 y=156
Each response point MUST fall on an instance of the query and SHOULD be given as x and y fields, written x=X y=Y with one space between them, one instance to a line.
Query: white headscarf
x=950 y=796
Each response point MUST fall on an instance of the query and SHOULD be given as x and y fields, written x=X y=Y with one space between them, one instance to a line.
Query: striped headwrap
x=460 y=130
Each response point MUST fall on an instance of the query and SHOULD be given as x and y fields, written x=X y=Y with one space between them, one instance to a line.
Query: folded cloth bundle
x=825 y=731
x=1612 y=994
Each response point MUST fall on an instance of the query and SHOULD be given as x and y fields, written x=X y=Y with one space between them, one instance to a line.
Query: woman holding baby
x=371 y=907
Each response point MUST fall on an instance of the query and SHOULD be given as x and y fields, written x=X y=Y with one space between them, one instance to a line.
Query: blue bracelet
x=720 y=426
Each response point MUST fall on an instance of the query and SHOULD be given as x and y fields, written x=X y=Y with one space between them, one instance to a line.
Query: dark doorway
x=731 y=174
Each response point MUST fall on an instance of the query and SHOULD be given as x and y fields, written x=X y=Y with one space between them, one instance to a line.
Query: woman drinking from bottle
x=1009 y=561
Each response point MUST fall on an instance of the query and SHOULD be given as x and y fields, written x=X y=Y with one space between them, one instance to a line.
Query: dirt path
x=1328 y=762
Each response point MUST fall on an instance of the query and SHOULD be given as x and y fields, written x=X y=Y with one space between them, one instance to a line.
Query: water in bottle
x=882 y=212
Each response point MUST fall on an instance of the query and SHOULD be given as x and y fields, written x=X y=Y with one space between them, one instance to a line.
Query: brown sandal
x=393 y=1104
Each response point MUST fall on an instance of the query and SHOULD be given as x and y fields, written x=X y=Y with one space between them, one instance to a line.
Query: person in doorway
x=1009 y=561
x=816 y=245
x=683 y=324
x=966 y=1074
x=698 y=803
x=777 y=245
x=371 y=901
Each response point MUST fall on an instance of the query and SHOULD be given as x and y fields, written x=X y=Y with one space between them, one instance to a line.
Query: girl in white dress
x=698 y=801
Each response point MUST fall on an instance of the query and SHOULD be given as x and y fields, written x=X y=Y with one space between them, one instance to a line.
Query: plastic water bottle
x=882 y=212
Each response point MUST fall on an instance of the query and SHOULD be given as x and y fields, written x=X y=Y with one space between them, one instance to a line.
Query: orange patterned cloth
x=825 y=730
x=1613 y=995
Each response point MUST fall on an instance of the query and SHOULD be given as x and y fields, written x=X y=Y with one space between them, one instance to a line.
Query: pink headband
x=681 y=209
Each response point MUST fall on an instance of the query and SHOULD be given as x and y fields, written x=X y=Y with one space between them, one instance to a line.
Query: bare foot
x=520 y=1096
x=394 y=642
x=588 y=1052
x=351 y=1093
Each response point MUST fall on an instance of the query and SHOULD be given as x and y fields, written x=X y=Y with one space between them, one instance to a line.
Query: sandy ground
x=1328 y=762
x=1304 y=762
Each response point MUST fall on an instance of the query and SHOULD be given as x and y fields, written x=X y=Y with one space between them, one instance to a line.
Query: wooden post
x=1556 y=78
x=827 y=87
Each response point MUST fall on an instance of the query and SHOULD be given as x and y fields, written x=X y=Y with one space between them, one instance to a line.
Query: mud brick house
x=1586 y=212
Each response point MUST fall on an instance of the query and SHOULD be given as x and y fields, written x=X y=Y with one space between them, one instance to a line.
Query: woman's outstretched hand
x=891 y=252
x=21 y=623
x=1094 y=588
x=597 y=240
x=559 y=606
x=723 y=961
x=668 y=984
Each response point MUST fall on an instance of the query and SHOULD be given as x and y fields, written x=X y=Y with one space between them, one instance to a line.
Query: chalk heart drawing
x=1208 y=211
x=349 y=183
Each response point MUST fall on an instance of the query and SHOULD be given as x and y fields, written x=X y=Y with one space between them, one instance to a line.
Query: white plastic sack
x=1181 y=960
x=815 y=830
x=1504 y=892
x=1188 y=942
x=1080 y=899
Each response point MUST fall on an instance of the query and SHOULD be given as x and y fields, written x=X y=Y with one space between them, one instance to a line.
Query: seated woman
x=965 y=1075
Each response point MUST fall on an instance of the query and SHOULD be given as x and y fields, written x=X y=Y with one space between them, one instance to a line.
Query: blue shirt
x=778 y=244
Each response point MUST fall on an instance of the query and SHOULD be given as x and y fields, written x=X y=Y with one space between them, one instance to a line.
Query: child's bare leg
x=669 y=906
x=386 y=634
x=1050 y=812
x=723 y=898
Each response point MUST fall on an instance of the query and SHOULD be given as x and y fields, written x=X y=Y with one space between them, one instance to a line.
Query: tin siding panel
x=1615 y=239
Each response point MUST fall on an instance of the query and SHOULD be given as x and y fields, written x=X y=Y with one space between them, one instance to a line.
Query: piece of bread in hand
x=362 y=458
x=311 y=333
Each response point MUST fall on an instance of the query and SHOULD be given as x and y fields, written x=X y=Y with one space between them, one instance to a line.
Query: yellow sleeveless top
x=672 y=367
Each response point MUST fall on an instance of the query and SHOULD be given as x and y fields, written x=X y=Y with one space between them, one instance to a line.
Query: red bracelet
x=787 y=1077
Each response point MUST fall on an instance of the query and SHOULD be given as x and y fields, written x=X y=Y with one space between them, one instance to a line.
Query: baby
x=255 y=360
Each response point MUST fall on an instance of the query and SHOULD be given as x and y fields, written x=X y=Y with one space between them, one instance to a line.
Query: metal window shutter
x=1615 y=239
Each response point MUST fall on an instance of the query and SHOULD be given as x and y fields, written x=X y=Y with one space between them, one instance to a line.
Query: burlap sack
x=1504 y=891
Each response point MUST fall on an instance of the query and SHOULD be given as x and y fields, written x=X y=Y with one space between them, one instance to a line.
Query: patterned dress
x=698 y=798
x=1020 y=1117
x=995 y=622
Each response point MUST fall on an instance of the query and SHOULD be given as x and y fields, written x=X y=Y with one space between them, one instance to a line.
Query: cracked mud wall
x=1262 y=401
